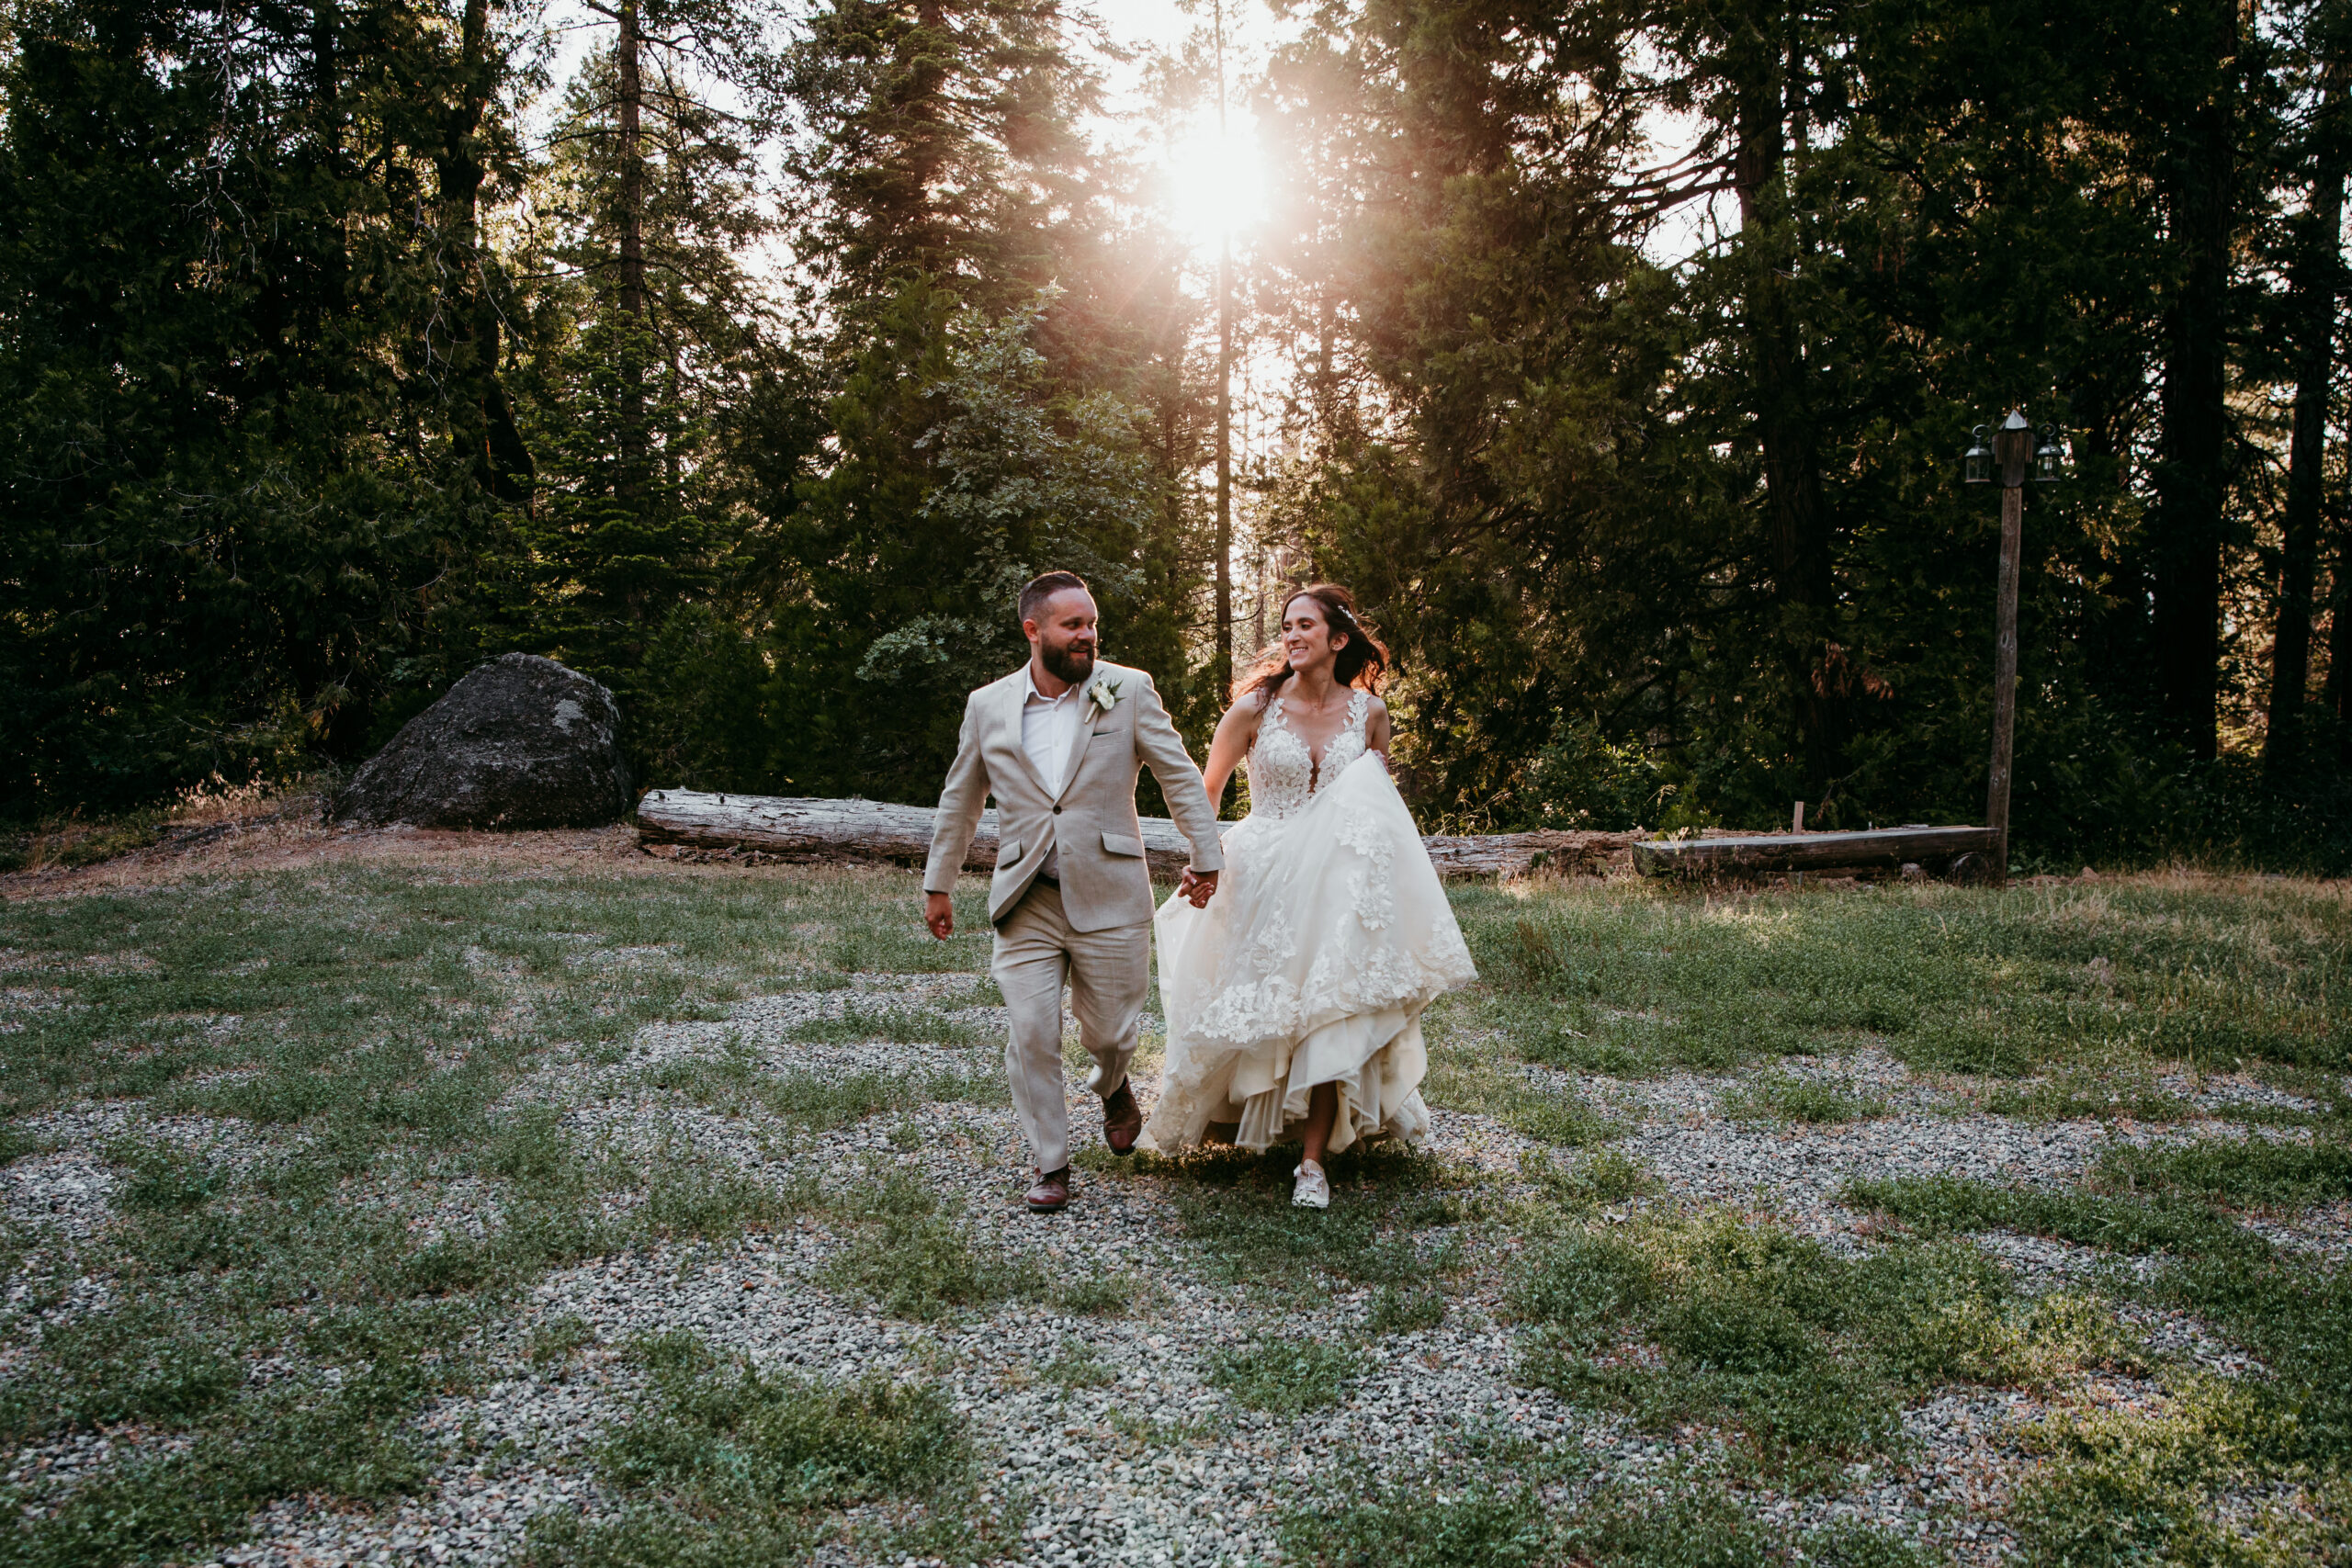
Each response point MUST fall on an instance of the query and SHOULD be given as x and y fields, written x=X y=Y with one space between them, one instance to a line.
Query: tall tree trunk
x=632 y=107
x=482 y=418
x=2338 y=693
x=2191 y=477
x=2317 y=286
x=1760 y=61
x=307 y=303
x=1224 y=671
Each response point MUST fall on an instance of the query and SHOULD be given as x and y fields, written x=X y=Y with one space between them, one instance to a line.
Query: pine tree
x=239 y=509
x=662 y=338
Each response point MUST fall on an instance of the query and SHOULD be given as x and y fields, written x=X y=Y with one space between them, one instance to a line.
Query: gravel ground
x=1157 y=1467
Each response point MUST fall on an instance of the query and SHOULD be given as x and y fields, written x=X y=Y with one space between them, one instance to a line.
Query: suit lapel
x=1075 y=764
x=1016 y=694
x=1097 y=721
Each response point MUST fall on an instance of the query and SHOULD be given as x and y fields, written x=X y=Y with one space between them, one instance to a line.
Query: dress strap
x=1359 y=708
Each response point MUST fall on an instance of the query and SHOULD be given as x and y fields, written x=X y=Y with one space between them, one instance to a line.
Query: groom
x=1058 y=743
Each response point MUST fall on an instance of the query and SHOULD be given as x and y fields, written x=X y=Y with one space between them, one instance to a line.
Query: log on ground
x=1811 y=852
x=765 y=827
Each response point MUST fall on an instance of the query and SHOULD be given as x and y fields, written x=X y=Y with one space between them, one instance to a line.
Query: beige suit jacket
x=1092 y=817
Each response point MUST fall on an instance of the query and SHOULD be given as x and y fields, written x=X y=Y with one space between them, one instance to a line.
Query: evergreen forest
x=1618 y=354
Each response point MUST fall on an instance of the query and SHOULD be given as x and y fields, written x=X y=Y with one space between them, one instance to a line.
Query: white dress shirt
x=1049 y=728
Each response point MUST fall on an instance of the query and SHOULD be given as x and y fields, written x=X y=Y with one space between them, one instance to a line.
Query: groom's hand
x=1198 y=886
x=939 y=914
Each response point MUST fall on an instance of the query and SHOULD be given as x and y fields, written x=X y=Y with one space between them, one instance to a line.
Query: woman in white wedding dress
x=1293 y=996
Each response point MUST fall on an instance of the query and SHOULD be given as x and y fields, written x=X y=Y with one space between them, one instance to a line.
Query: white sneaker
x=1314 y=1189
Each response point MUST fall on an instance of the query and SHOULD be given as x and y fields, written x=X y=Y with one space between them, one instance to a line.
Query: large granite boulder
x=520 y=742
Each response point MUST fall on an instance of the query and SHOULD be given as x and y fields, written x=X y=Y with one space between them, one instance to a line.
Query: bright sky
x=1211 y=184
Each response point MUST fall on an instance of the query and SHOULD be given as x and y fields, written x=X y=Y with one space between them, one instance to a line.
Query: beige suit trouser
x=1108 y=973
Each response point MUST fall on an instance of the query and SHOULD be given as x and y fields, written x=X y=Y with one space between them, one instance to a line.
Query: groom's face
x=1063 y=633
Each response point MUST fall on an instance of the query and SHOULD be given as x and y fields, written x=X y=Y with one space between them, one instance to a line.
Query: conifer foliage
x=1618 y=355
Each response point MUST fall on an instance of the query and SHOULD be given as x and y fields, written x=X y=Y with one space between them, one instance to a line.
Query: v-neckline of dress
x=1314 y=757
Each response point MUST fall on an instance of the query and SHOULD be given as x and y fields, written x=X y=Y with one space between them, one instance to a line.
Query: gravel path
x=1156 y=1467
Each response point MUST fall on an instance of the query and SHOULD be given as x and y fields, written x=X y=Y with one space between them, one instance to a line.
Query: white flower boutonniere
x=1104 y=694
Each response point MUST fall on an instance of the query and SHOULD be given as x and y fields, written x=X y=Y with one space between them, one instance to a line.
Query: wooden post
x=2010 y=448
x=1796 y=819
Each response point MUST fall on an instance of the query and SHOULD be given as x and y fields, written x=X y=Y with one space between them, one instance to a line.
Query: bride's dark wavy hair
x=1361 y=664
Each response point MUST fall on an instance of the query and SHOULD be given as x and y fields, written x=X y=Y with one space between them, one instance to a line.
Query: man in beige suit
x=1058 y=742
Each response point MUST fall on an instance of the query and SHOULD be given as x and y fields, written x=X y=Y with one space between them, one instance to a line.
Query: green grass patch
x=719 y=1433
x=2294 y=1317
x=1466 y=1075
x=1804 y=1357
x=1076 y=1365
x=915 y=1258
x=1100 y=1295
x=2251 y=1172
x=373 y=1026
x=720 y=1463
x=557 y=1339
x=2298 y=1320
x=1406 y=1310
x=2115 y=1096
x=1940 y=1204
x=858 y=1024
x=1633 y=977
x=1235 y=1207
x=15 y=1143
x=815 y=1100
x=1287 y=1376
x=1784 y=1097
x=2127 y=1486
x=1605 y=1176
x=163 y=1180
x=1461 y=1515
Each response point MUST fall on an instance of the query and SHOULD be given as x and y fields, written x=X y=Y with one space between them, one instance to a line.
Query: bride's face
x=1308 y=639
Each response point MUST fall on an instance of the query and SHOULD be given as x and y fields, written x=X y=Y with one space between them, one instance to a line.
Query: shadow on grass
x=1235 y=1205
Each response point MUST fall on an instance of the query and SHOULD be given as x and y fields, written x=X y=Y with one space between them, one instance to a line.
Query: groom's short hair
x=1044 y=586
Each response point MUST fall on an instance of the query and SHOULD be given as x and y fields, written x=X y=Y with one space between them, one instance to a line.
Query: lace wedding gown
x=1327 y=936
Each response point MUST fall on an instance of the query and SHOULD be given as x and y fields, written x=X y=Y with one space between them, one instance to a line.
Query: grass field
x=297 y=1160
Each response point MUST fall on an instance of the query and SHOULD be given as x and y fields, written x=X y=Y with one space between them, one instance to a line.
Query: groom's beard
x=1072 y=663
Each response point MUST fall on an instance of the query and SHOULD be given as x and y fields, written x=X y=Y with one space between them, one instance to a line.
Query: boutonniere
x=1104 y=694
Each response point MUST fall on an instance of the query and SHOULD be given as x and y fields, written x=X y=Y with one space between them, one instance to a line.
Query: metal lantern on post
x=2049 y=458
x=2013 y=451
x=1976 y=463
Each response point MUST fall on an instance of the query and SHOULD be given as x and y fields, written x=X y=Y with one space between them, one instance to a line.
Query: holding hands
x=1197 y=887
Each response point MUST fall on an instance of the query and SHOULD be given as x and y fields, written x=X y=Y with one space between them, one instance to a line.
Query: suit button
x=1057 y=811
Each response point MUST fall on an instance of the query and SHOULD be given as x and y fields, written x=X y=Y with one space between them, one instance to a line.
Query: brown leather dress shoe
x=1122 y=1119
x=1050 y=1195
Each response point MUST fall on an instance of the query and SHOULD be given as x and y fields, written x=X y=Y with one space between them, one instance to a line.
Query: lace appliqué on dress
x=1283 y=775
x=1370 y=888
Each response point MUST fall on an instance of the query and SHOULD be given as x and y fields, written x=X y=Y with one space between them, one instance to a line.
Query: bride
x=1294 y=998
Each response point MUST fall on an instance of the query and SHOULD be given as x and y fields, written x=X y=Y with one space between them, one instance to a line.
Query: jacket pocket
x=1008 y=852
x=1120 y=844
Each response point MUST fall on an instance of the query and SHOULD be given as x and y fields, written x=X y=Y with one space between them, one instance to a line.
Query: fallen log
x=1939 y=848
x=848 y=830
x=799 y=831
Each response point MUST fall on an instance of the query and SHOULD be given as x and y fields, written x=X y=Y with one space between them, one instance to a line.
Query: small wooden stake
x=1796 y=819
